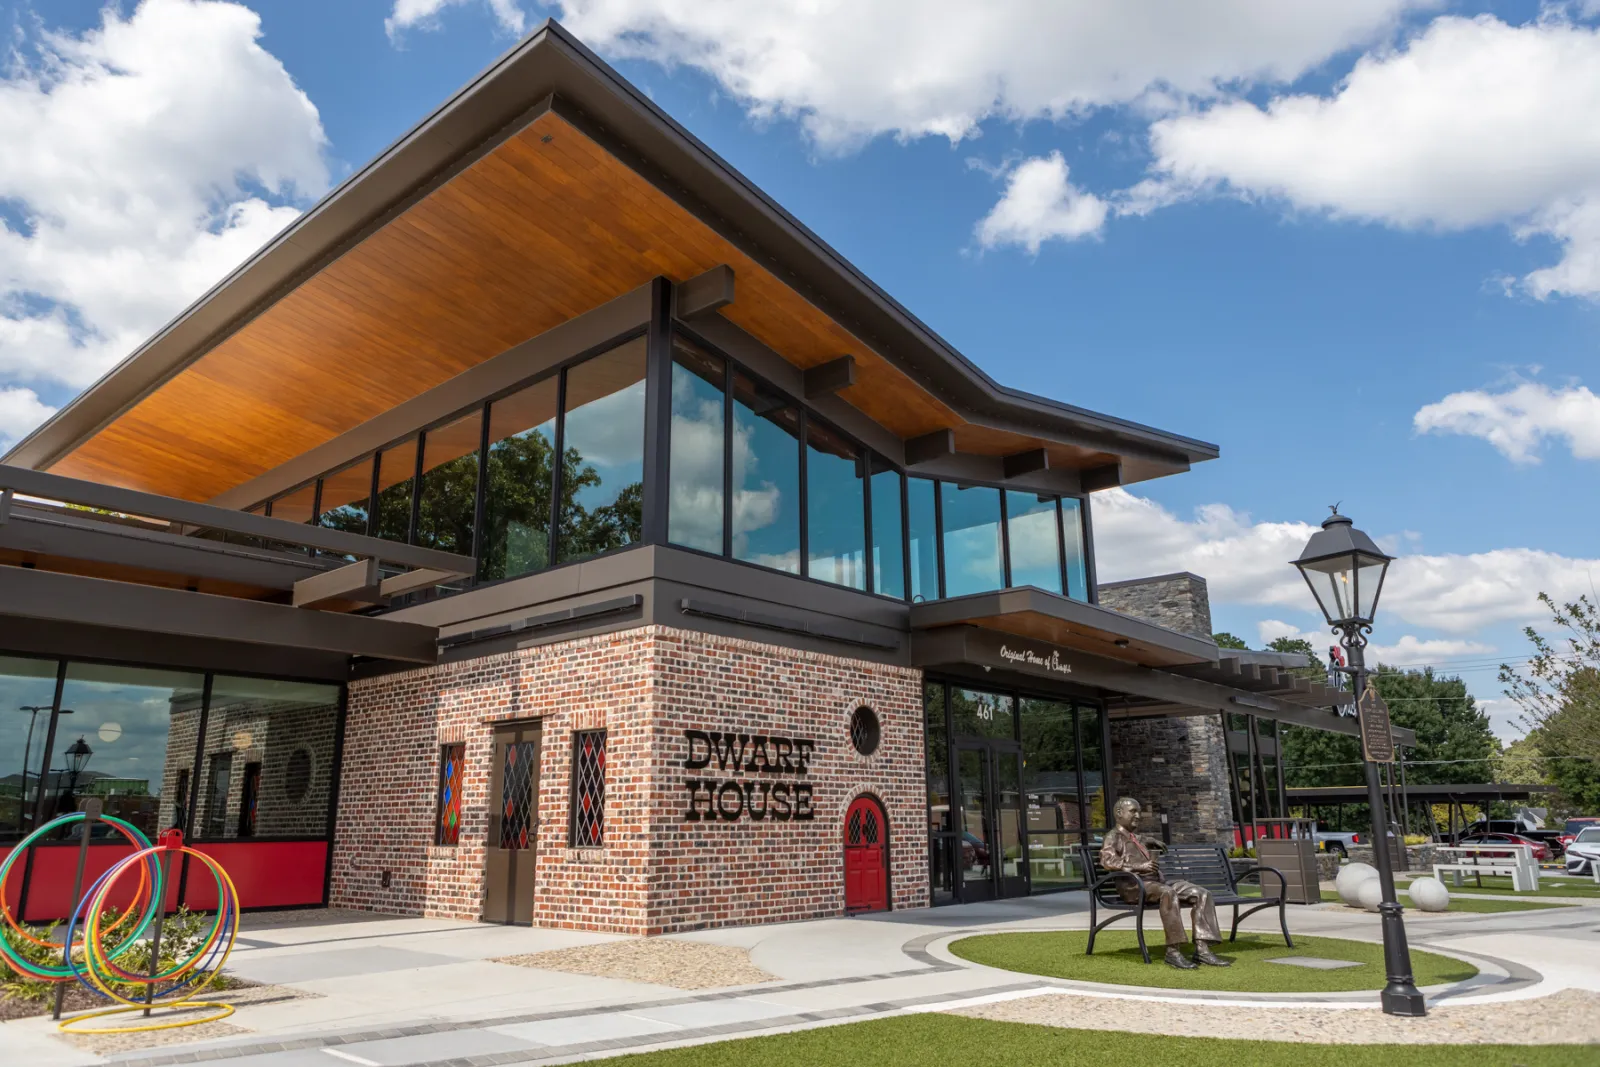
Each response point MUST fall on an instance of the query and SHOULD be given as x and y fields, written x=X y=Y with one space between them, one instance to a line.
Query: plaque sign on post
x=1377 y=739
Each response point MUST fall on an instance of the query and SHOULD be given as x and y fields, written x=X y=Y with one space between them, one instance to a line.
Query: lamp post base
x=1403 y=998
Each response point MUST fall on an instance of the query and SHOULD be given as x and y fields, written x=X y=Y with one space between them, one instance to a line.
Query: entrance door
x=993 y=845
x=513 y=825
x=866 y=857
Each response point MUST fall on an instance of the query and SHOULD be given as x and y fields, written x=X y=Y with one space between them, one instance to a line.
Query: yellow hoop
x=70 y=1026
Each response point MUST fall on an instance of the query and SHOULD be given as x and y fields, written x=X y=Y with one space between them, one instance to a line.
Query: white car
x=1583 y=855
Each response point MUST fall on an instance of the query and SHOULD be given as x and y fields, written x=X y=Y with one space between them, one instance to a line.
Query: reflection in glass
x=449 y=485
x=346 y=495
x=888 y=552
x=973 y=788
x=397 y=473
x=27 y=688
x=602 y=470
x=1050 y=764
x=295 y=506
x=766 y=477
x=1054 y=862
x=836 y=509
x=922 y=538
x=971 y=517
x=699 y=423
x=1072 y=532
x=267 y=758
x=943 y=841
x=139 y=727
x=516 y=503
x=1008 y=815
x=974 y=713
x=1091 y=743
x=1032 y=533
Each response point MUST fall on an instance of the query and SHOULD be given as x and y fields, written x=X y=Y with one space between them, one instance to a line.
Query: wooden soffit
x=546 y=226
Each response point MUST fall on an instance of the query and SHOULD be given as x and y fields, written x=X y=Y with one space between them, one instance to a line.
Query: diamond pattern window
x=865 y=732
x=516 y=823
x=588 y=827
x=447 y=831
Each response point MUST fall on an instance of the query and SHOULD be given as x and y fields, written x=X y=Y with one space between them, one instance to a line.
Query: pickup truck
x=1335 y=841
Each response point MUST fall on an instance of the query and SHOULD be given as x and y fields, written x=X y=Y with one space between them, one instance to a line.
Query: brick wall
x=658 y=870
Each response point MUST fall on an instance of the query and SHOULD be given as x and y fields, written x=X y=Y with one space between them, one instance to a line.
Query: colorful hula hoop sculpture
x=88 y=955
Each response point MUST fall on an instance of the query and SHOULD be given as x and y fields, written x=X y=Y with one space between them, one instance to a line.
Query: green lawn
x=920 y=1040
x=1059 y=954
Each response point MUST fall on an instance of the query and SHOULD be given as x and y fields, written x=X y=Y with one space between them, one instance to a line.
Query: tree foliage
x=1227 y=640
x=1558 y=692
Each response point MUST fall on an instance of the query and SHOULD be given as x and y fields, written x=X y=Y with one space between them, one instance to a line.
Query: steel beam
x=930 y=446
x=830 y=377
x=357 y=582
x=705 y=293
x=1030 y=462
x=72 y=598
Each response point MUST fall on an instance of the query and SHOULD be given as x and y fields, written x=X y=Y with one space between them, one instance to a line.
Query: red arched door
x=866 y=857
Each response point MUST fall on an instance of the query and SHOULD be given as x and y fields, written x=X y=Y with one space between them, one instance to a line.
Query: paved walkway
x=385 y=992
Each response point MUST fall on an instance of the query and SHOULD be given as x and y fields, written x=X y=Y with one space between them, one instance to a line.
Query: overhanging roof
x=544 y=188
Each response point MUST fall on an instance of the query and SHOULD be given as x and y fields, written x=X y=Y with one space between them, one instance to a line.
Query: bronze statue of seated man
x=1126 y=850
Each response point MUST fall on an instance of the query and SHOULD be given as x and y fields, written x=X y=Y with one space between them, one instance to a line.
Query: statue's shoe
x=1176 y=958
x=1203 y=954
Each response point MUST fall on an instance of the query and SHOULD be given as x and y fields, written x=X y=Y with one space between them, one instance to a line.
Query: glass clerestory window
x=751 y=475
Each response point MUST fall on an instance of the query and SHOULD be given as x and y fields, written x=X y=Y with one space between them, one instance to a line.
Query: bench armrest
x=1260 y=869
x=1112 y=876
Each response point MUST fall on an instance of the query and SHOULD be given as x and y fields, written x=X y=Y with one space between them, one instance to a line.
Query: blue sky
x=1282 y=230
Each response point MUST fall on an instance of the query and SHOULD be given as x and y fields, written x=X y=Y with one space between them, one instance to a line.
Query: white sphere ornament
x=1351 y=877
x=1429 y=894
x=1370 y=894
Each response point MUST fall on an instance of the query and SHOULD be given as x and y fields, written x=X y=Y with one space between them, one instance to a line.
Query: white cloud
x=1247 y=562
x=1519 y=420
x=849 y=71
x=1472 y=123
x=1040 y=204
x=20 y=411
x=143 y=160
x=1411 y=651
x=423 y=15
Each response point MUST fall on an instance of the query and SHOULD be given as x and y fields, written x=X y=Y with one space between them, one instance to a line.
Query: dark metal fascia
x=533 y=623
x=784 y=624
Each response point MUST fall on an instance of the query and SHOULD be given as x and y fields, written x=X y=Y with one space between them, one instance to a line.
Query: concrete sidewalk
x=385 y=991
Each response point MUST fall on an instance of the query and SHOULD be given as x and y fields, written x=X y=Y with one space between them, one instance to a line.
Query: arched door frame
x=844 y=848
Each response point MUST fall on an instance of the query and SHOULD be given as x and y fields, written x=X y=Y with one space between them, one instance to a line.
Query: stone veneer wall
x=1176 y=765
x=658 y=871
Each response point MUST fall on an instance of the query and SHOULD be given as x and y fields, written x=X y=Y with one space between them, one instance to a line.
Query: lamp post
x=78 y=754
x=27 y=749
x=1345 y=571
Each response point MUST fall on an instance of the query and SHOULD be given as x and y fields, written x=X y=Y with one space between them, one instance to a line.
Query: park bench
x=1479 y=860
x=1204 y=865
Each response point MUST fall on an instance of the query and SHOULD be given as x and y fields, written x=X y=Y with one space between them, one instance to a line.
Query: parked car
x=1541 y=852
x=1336 y=842
x=1584 y=851
x=1570 y=831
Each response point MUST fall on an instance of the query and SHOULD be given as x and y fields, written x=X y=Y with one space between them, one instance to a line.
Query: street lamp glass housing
x=78 y=754
x=1345 y=571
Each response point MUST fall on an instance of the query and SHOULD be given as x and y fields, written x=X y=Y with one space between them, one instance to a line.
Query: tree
x=1227 y=640
x=1559 y=694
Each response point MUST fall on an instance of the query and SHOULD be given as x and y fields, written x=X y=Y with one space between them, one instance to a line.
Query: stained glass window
x=588 y=789
x=448 y=830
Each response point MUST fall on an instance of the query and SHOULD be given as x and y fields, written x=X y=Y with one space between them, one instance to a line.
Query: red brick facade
x=658 y=870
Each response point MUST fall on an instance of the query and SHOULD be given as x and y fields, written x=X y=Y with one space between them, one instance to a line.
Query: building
x=549 y=528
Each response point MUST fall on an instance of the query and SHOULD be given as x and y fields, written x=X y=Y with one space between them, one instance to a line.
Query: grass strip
x=1116 y=961
x=923 y=1039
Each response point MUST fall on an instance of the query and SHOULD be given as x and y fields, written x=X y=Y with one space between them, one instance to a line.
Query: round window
x=865 y=733
x=297 y=775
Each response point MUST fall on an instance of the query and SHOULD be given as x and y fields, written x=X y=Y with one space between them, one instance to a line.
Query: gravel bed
x=659 y=960
x=1571 y=1017
x=111 y=1043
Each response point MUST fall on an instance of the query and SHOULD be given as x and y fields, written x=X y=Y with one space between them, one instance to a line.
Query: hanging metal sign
x=1377 y=736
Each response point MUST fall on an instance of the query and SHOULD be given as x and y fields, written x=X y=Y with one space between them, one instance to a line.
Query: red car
x=1569 y=832
x=1541 y=852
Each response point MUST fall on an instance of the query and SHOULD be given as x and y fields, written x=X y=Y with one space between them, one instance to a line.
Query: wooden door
x=513 y=825
x=866 y=857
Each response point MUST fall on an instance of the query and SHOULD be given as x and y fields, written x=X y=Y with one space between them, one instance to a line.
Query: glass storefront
x=1016 y=784
x=223 y=758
